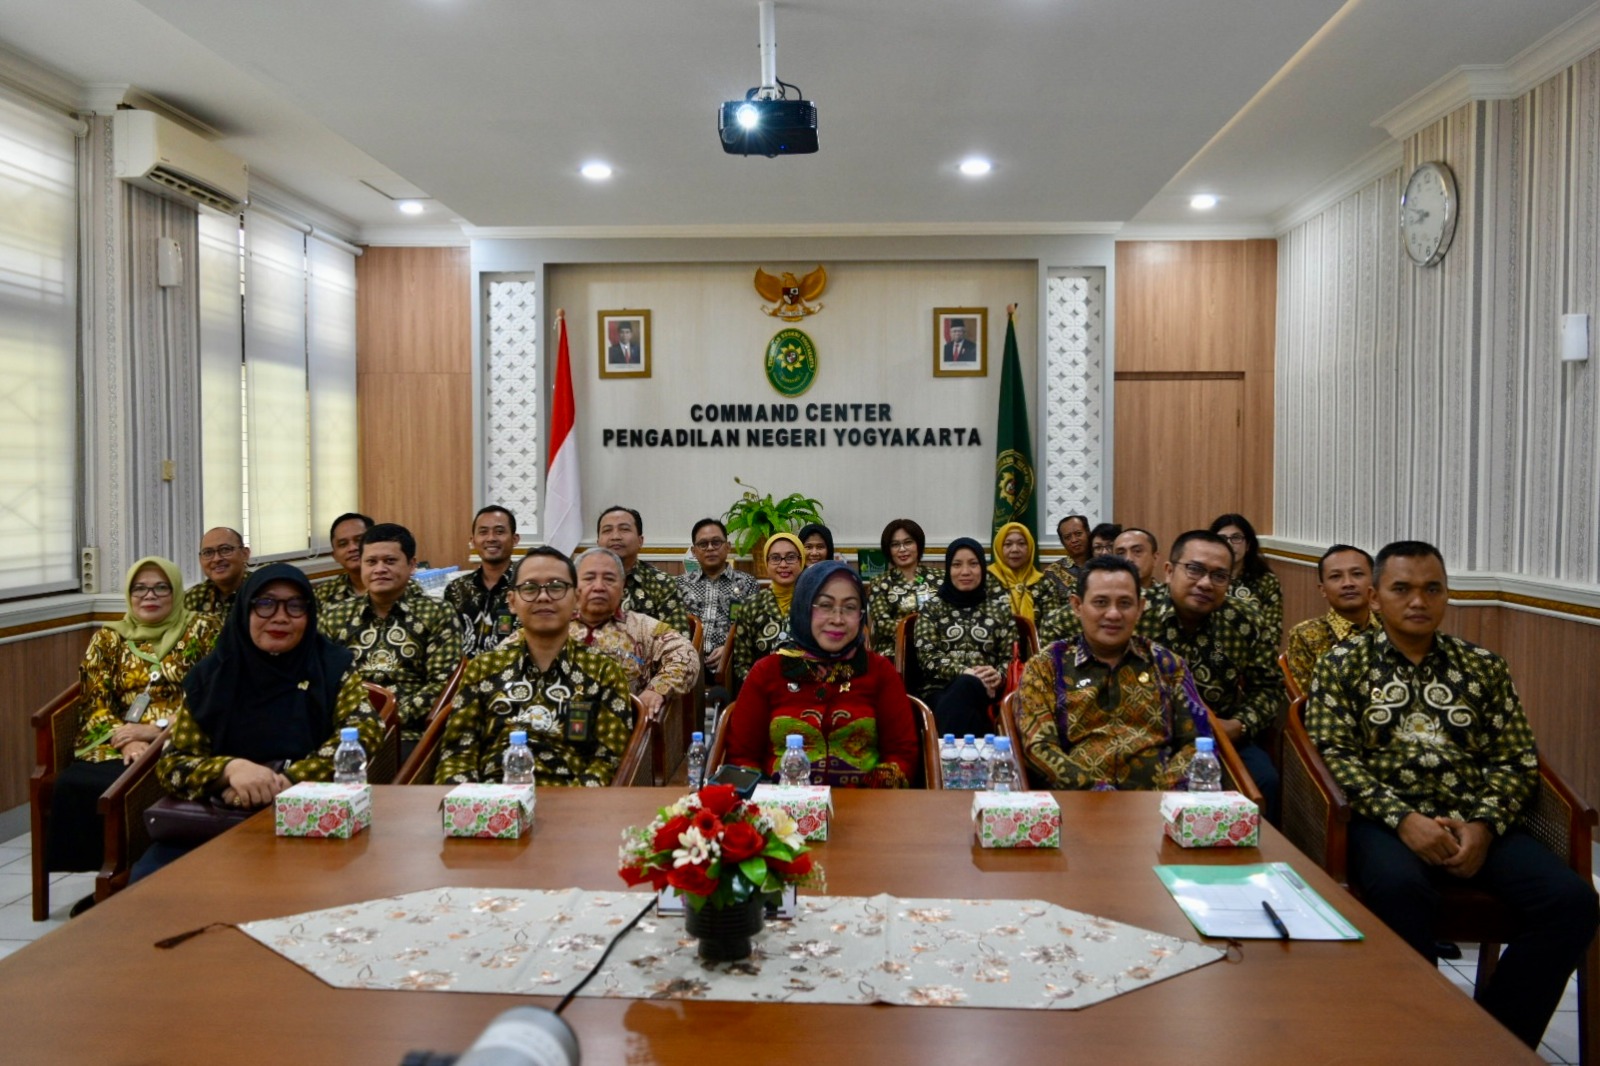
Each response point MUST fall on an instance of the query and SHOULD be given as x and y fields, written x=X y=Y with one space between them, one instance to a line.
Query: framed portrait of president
x=960 y=342
x=624 y=344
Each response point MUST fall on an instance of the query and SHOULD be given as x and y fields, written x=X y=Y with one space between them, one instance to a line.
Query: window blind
x=275 y=364
x=331 y=376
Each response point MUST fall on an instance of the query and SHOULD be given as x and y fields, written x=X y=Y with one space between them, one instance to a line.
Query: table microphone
x=521 y=1036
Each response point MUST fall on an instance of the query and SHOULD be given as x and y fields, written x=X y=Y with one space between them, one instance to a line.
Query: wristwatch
x=162 y=723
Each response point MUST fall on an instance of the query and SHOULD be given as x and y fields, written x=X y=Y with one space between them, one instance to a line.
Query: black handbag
x=190 y=823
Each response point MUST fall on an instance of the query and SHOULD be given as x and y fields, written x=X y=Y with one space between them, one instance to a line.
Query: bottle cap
x=1207 y=744
x=1002 y=743
x=968 y=739
x=988 y=738
x=697 y=738
x=949 y=738
x=349 y=733
x=794 y=740
x=519 y=737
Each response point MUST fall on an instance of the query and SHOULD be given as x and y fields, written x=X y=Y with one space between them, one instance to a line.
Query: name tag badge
x=136 y=709
x=503 y=626
x=580 y=720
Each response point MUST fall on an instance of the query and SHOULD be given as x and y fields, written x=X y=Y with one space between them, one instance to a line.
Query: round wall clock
x=1428 y=209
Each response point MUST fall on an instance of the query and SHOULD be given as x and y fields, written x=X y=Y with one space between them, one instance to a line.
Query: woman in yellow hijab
x=761 y=622
x=1013 y=567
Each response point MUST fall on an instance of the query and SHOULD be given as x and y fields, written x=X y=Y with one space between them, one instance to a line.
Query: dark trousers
x=962 y=707
x=75 y=838
x=1259 y=763
x=1557 y=915
x=157 y=855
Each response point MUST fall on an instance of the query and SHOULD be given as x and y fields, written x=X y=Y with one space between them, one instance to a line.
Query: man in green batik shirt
x=1344 y=577
x=481 y=597
x=1426 y=735
x=1221 y=638
x=572 y=701
x=226 y=562
x=408 y=644
x=646 y=590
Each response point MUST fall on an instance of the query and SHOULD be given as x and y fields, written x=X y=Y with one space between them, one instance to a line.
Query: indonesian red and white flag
x=563 y=507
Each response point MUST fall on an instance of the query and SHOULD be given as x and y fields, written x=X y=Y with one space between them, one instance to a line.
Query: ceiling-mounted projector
x=767 y=121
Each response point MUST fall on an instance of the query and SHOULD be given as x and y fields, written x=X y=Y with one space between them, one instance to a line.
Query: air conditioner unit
x=157 y=154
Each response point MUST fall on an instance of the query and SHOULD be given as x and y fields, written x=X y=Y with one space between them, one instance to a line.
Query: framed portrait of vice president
x=960 y=342
x=624 y=344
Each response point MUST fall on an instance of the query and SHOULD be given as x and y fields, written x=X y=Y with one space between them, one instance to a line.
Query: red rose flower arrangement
x=714 y=848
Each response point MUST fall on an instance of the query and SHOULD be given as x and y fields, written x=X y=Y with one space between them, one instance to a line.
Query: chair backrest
x=1010 y=730
x=725 y=675
x=1295 y=692
x=1232 y=765
x=55 y=727
x=634 y=769
x=719 y=743
x=384 y=764
x=1029 y=634
x=424 y=758
x=697 y=634
x=447 y=694
x=928 y=730
x=905 y=653
x=1314 y=812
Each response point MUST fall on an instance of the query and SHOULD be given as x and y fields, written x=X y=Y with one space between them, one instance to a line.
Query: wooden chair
x=424 y=758
x=122 y=808
x=1557 y=817
x=719 y=745
x=634 y=769
x=1029 y=634
x=1010 y=730
x=1295 y=692
x=928 y=730
x=384 y=764
x=725 y=675
x=55 y=726
x=905 y=653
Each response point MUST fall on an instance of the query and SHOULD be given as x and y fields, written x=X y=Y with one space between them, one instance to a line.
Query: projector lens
x=748 y=117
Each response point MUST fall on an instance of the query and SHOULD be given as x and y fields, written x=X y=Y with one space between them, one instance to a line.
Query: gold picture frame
x=624 y=349
x=960 y=342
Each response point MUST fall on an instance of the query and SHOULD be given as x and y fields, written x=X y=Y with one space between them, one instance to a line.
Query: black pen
x=1277 y=923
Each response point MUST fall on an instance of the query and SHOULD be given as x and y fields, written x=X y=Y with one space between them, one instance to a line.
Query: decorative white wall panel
x=1074 y=423
x=1431 y=402
x=511 y=400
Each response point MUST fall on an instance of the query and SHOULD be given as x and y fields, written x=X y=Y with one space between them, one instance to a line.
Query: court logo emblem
x=791 y=362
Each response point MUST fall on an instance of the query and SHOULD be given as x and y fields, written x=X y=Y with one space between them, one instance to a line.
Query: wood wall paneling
x=414 y=391
x=1191 y=314
x=31 y=672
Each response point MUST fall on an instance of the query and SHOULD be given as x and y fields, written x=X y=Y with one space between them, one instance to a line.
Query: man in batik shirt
x=572 y=700
x=659 y=661
x=711 y=593
x=1344 y=577
x=1426 y=735
x=647 y=590
x=1109 y=709
x=1221 y=639
x=225 y=561
x=408 y=644
x=481 y=598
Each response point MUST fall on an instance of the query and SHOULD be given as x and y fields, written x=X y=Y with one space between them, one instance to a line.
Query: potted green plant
x=755 y=517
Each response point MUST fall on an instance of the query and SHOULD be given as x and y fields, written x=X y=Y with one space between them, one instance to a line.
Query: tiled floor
x=18 y=930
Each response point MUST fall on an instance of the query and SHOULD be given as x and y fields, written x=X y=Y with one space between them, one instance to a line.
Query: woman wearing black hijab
x=826 y=685
x=964 y=641
x=265 y=708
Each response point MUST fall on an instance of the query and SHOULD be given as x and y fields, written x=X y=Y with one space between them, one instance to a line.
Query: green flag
x=1013 y=458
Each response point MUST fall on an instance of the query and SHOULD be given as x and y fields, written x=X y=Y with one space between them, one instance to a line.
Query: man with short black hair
x=572 y=700
x=344 y=538
x=1225 y=646
x=647 y=589
x=711 y=592
x=659 y=661
x=480 y=598
x=1109 y=709
x=1426 y=735
x=1138 y=546
x=1344 y=577
x=225 y=561
x=408 y=644
x=1103 y=537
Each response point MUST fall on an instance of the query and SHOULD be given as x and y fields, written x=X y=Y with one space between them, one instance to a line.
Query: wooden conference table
x=98 y=991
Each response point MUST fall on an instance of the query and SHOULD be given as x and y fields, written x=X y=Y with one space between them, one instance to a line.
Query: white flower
x=696 y=849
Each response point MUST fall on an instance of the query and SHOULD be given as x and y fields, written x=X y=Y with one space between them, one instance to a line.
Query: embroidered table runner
x=839 y=949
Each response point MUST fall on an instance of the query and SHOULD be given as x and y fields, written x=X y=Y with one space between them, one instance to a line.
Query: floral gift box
x=1016 y=819
x=322 y=809
x=1211 y=819
x=811 y=806
x=504 y=812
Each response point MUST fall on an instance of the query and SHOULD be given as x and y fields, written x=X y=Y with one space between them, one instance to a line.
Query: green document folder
x=1226 y=901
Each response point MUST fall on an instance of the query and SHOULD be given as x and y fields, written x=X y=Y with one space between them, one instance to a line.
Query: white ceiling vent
x=157 y=154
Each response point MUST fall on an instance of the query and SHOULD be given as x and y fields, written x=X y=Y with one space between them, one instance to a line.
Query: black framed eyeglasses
x=222 y=551
x=1219 y=578
x=267 y=606
x=158 y=590
x=532 y=590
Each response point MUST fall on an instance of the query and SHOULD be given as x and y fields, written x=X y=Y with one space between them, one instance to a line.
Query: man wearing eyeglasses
x=711 y=592
x=571 y=699
x=647 y=590
x=659 y=661
x=408 y=644
x=1221 y=638
x=224 y=560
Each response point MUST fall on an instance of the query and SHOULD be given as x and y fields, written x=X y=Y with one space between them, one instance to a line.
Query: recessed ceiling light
x=1203 y=202
x=976 y=167
x=410 y=207
x=596 y=171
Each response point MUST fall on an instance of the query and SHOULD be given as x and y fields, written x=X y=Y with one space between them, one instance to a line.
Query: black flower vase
x=724 y=932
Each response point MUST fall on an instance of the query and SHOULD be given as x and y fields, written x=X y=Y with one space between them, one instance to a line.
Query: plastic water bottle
x=1205 y=773
x=971 y=771
x=949 y=761
x=521 y=1036
x=517 y=763
x=1002 y=771
x=795 y=768
x=986 y=753
x=697 y=761
x=350 y=758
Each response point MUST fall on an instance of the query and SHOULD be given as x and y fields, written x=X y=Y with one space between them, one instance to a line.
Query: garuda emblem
x=789 y=295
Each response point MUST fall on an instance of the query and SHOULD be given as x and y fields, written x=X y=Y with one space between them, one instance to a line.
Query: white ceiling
x=1093 y=111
